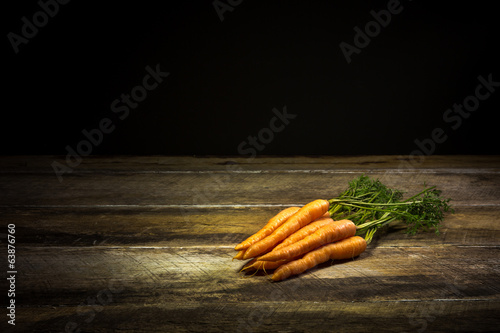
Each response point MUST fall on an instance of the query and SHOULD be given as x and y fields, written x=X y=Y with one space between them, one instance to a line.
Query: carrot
x=344 y=249
x=263 y=265
x=271 y=225
x=329 y=233
x=305 y=231
x=298 y=235
x=239 y=255
x=303 y=216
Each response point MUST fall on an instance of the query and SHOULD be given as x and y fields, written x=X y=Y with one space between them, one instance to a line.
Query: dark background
x=227 y=76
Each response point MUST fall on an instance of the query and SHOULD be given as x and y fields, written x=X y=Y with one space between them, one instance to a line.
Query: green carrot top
x=372 y=205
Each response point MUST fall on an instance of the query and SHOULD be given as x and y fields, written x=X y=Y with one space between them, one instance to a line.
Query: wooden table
x=144 y=244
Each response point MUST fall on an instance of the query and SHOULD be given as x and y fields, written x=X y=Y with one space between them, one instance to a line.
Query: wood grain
x=197 y=274
x=204 y=189
x=198 y=280
x=224 y=226
x=144 y=244
x=271 y=316
x=151 y=164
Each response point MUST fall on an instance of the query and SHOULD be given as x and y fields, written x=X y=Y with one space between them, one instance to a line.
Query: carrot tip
x=245 y=268
x=248 y=276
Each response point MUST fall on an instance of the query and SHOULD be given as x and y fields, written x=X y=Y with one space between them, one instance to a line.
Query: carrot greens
x=371 y=205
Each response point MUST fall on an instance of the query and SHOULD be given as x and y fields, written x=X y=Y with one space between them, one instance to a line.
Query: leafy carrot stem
x=372 y=205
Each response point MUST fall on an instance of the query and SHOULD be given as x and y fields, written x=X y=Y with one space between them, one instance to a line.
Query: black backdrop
x=226 y=77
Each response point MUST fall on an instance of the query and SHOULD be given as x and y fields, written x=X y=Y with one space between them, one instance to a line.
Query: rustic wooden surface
x=144 y=244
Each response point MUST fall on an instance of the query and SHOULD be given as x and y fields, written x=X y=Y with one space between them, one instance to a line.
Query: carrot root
x=302 y=217
x=329 y=233
x=304 y=231
x=239 y=255
x=271 y=225
x=347 y=248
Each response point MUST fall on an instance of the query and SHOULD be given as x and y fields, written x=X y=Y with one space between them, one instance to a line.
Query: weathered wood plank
x=144 y=244
x=105 y=164
x=282 y=315
x=190 y=289
x=224 y=226
x=227 y=188
x=67 y=276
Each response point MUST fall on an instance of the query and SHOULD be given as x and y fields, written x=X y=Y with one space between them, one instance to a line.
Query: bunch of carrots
x=300 y=238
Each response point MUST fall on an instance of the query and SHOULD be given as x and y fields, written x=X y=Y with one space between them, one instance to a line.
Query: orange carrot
x=304 y=216
x=239 y=255
x=271 y=225
x=263 y=265
x=344 y=249
x=329 y=233
x=295 y=237
x=305 y=231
